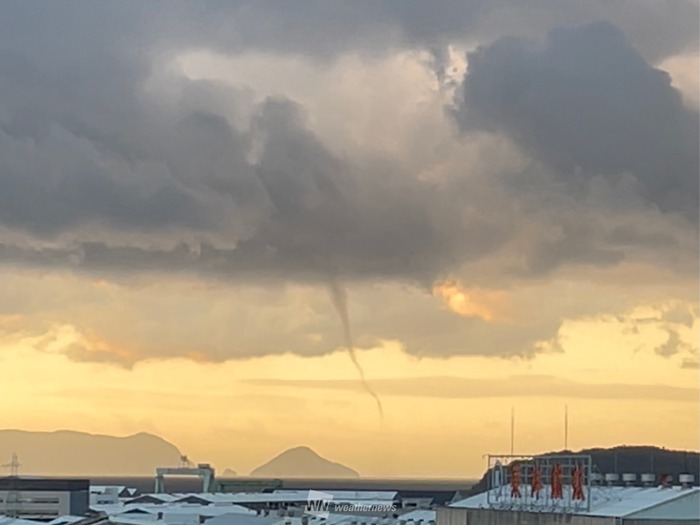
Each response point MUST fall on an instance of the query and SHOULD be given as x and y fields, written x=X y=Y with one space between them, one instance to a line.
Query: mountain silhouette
x=70 y=453
x=629 y=459
x=302 y=462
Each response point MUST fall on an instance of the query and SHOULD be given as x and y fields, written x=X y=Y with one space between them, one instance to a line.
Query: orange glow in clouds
x=489 y=305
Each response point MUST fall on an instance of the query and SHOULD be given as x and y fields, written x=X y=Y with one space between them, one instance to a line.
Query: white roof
x=278 y=496
x=207 y=510
x=177 y=508
x=65 y=519
x=210 y=498
x=165 y=498
x=227 y=519
x=236 y=497
x=419 y=514
x=615 y=502
x=124 y=520
x=107 y=508
x=345 y=495
x=6 y=520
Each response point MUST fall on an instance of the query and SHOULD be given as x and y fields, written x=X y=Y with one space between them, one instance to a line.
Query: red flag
x=536 y=482
x=515 y=481
x=557 y=487
x=577 y=483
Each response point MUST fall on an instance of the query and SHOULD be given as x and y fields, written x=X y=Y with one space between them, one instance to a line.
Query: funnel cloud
x=339 y=298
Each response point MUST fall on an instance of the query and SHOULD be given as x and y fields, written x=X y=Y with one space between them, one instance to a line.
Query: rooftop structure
x=203 y=471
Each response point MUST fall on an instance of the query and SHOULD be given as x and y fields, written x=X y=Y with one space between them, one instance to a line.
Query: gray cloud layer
x=588 y=104
x=535 y=386
x=110 y=162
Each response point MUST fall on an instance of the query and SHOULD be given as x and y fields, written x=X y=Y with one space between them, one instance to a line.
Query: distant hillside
x=634 y=460
x=302 y=462
x=80 y=454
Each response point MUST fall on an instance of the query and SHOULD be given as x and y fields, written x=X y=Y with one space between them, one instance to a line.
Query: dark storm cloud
x=587 y=103
x=112 y=163
x=326 y=28
x=85 y=147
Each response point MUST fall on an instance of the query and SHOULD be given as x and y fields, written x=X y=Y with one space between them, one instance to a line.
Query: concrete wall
x=457 y=516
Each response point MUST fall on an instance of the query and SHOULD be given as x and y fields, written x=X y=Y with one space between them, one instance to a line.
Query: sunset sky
x=505 y=192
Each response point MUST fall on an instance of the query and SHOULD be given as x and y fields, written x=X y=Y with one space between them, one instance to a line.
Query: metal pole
x=512 y=430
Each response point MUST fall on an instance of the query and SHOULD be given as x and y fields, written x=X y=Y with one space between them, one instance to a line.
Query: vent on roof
x=629 y=479
x=596 y=478
x=666 y=480
x=686 y=480
x=611 y=478
x=648 y=479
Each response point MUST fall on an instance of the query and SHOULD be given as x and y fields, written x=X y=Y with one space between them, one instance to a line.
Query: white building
x=607 y=506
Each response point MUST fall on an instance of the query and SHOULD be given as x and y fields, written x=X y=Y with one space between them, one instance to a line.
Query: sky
x=503 y=197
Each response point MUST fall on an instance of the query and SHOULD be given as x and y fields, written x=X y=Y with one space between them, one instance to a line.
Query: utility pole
x=13 y=466
x=13 y=500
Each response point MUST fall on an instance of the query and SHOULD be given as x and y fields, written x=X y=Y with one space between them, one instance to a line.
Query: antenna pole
x=566 y=427
x=512 y=430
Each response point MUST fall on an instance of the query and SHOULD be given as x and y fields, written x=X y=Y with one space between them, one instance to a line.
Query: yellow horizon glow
x=232 y=422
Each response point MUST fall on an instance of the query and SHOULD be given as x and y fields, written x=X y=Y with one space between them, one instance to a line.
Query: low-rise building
x=44 y=498
x=607 y=506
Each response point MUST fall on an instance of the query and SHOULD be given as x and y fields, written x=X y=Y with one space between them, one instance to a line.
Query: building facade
x=43 y=498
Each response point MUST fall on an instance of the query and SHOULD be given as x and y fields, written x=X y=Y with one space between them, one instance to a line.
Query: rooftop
x=605 y=501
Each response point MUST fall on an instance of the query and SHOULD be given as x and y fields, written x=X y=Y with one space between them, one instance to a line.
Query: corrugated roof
x=346 y=495
x=605 y=501
x=66 y=520
x=227 y=519
x=4 y=520
x=419 y=514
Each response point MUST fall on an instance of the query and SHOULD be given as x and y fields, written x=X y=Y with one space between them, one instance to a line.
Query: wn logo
x=318 y=504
